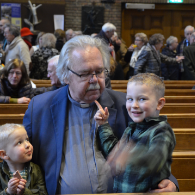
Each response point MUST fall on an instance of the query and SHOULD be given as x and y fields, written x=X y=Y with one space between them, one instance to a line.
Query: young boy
x=149 y=140
x=16 y=152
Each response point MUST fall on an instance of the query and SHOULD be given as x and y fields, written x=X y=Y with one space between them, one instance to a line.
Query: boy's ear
x=3 y=155
x=161 y=103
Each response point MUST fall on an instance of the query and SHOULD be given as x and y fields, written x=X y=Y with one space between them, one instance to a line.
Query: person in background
x=61 y=127
x=106 y=33
x=38 y=42
x=51 y=72
x=16 y=152
x=16 y=47
x=61 y=38
x=69 y=34
x=40 y=57
x=3 y=40
x=26 y=35
x=134 y=51
x=186 y=41
x=149 y=60
x=15 y=86
x=189 y=61
x=76 y=33
x=170 y=72
x=120 y=52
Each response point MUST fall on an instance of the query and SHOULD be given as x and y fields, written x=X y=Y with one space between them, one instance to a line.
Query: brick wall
x=73 y=10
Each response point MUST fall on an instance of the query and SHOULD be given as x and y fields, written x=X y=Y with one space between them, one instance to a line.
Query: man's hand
x=21 y=187
x=23 y=100
x=101 y=116
x=165 y=186
x=12 y=186
x=179 y=58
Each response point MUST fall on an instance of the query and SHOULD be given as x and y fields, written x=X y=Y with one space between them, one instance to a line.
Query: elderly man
x=51 y=72
x=185 y=42
x=106 y=33
x=3 y=40
x=61 y=126
x=69 y=34
x=189 y=61
x=16 y=47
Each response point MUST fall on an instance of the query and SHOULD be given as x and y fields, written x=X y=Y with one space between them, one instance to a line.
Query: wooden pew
x=168 y=108
x=11 y=118
x=183 y=127
x=13 y=108
x=184 y=170
x=180 y=99
x=178 y=108
x=171 y=92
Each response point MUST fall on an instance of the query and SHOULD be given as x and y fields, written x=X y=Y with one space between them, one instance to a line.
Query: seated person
x=16 y=152
x=15 y=86
x=148 y=141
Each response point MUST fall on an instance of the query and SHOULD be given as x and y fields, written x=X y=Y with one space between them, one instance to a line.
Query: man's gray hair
x=14 y=30
x=80 y=42
x=171 y=40
x=48 y=40
x=108 y=27
x=5 y=131
x=188 y=27
x=54 y=60
x=69 y=31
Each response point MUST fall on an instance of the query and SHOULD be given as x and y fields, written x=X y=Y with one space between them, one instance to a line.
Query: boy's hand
x=101 y=116
x=12 y=186
x=21 y=187
x=119 y=157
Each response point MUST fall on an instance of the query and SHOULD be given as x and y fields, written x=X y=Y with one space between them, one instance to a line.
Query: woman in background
x=38 y=42
x=134 y=51
x=40 y=57
x=15 y=86
x=150 y=58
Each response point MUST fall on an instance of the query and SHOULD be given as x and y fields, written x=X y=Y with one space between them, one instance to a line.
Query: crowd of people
x=71 y=130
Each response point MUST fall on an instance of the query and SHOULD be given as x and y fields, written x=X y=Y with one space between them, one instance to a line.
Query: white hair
x=188 y=27
x=5 y=131
x=69 y=31
x=170 y=40
x=108 y=27
x=80 y=42
x=54 y=60
x=115 y=34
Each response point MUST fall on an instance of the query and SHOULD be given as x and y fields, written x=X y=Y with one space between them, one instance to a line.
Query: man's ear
x=3 y=155
x=161 y=103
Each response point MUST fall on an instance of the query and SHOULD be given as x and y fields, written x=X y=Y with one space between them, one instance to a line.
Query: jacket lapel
x=106 y=101
x=59 y=115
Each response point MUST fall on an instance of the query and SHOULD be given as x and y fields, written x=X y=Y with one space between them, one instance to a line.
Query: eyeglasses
x=17 y=73
x=49 y=72
x=137 y=40
x=103 y=73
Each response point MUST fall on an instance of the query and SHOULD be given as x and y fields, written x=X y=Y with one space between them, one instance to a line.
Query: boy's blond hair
x=5 y=131
x=151 y=80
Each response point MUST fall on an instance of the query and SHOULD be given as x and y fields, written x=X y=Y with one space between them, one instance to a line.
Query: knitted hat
x=25 y=32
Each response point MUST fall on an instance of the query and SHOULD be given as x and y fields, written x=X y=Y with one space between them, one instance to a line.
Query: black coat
x=170 y=72
x=189 y=63
x=6 y=91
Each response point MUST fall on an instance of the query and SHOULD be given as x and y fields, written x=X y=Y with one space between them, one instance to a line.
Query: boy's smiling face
x=142 y=102
x=19 y=149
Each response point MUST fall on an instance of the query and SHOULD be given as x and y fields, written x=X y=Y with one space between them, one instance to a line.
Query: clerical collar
x=81 y=105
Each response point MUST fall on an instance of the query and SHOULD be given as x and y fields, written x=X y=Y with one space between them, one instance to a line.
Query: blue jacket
x=45 y=123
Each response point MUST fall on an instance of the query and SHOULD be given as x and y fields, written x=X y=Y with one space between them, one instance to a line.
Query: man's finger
x=98 y=105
